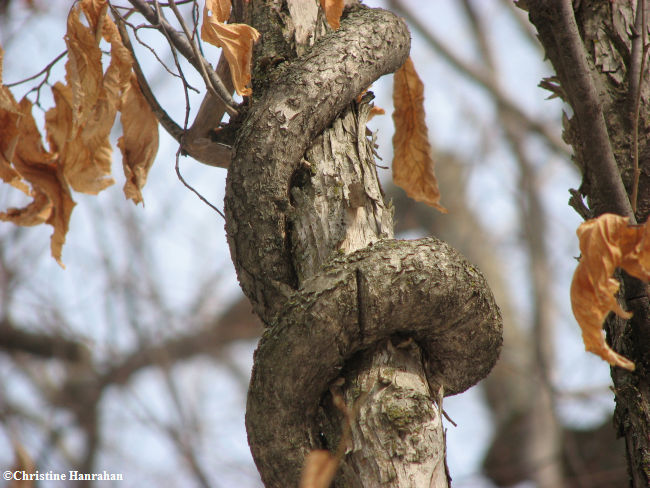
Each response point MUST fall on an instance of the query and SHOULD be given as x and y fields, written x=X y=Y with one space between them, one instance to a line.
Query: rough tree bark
x=395 y=324
x=597 y=51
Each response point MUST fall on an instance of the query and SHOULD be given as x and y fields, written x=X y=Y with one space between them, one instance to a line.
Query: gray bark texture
x=395 y=324
x=597 y=51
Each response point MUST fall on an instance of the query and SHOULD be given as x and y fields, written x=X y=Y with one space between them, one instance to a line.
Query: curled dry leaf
x=412 y=161
x=606 y=243
x=9 y=119
x=333 y=10
x=319 y=469
x=80 y=124
x=236 y=40
x=78 y=128
x=51 y=202
x=85 y=152
x=83 y=70
x=139 y=144
x=220 y=9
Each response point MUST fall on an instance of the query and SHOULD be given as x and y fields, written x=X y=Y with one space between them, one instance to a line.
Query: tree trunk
x=597 y=51
x=395 y=324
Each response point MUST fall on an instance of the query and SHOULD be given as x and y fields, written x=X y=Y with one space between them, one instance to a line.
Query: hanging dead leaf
x=117 y=75
x=95 y=11
x=10 y=116
x=319 y=469
x=606 y=243
x=333 y=10
x=7 y=101
x=412 y=161
x=79 y=125
x=139 y=143
x=84 y=73
x=220 y=9
x=52 y=202
x=236 y=40
x=85 y=152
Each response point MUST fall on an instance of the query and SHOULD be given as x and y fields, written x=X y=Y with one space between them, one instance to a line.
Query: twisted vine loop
x=423 y=289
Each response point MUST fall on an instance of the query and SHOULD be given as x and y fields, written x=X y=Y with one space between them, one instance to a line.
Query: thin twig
x=187 y=115
x=177 y=40
x=205 y=151
x=47 y=70
x=153 y=51
x=195 y=49
x=180 y=2
x=635 y=60
x=190 y=187
x=159 y=20
x=162 y=116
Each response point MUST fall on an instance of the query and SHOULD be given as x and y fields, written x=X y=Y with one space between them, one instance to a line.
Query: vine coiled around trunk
x=421 y=289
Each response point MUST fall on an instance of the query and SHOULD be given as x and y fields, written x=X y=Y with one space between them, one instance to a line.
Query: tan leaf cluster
x=319 y=469
x=24 y=160
x=606 y=243
x=79 y=125
x=77 y=128
x=139 y=144
x=236 y=40
x=333 y=10
x=413 y=165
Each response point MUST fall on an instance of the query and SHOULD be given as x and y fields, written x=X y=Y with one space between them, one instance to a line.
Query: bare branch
x=194 y=142
x=556 y=24
x=163 y=117
x=40 y=344
x=195 y=49
x=238 y=323
x=183 y=45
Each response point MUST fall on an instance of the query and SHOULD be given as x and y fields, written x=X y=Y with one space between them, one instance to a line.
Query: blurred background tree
x=136 y=358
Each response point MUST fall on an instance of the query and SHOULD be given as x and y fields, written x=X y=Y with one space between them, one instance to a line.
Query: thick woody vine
x=420 y=289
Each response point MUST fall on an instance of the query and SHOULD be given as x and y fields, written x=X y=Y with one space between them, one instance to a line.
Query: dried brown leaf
x=95 y=12
x=139 y=143
x=85 y=152
x=220 y=9
x=79 y=125
x=7 y=101
x=333 y=10
x=319 y=469
x=236 y=40
x=10 y=116
x=84 y=73
x=52 y=201
x=606 y=243
x=413 y=165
